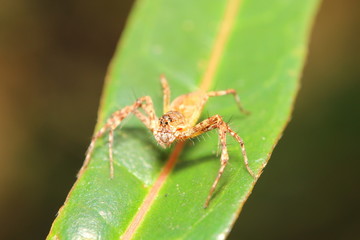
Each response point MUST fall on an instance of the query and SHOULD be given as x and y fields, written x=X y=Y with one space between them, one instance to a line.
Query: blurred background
x=53 y=59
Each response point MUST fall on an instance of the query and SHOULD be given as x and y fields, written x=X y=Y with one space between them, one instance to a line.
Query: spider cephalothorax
x=168 y=129
x=178 y=123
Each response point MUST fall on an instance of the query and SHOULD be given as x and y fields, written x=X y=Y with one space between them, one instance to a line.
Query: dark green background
x=53 y=59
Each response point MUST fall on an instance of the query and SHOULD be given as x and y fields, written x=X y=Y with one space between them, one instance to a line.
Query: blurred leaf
x=262 y=60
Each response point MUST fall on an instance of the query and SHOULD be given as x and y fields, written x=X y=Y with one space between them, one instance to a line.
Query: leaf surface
x=261 y=56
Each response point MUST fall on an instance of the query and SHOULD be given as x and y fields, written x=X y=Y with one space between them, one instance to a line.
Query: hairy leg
x=114 y=121
x=208 y=125
x=224 y=158
x=227 y=92
x=166 y=91
x=150 y=120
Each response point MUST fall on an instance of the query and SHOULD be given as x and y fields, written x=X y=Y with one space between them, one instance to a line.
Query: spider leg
x=224 y=158
x=210 y=124
x=150 y=120
x=166 y=91
x=242 y=145
x=144 y=119
x=114 y=121
x=226 y=92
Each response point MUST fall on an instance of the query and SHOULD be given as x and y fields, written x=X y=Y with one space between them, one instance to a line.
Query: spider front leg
x=114 y=121
x=166 y=93
x=210 y=124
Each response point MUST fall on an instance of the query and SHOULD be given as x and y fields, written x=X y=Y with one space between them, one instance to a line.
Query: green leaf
x=261 y=57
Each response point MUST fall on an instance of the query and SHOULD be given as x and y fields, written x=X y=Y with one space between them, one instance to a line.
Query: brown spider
x=177 y=123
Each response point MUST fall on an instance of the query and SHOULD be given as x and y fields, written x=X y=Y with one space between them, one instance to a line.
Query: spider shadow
x=195 y=161
x=146 y=137
x=181 y=165
x=143 y=135
x=192 y=162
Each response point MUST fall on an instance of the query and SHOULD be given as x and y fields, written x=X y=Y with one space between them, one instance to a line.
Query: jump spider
x=177 y=123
